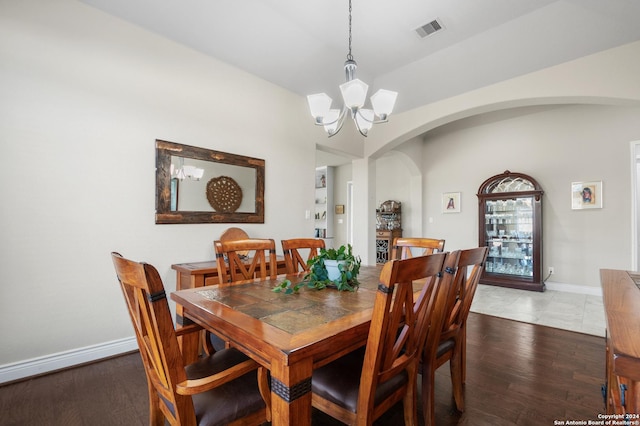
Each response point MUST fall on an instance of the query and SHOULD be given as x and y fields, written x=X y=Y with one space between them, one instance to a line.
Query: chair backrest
x=402 y=247
x=149 y=310
x=464 y=288
x=399 y=324
x=234 y=266
x=294 y=253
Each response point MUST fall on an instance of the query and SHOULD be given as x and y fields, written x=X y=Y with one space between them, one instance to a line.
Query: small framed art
x=451 y=202
x=586 y=195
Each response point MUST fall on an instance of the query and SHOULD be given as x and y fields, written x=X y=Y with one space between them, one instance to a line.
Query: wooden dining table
x=200 y=274
x=290 y=334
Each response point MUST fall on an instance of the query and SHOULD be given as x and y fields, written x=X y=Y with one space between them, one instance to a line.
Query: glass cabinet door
x=510 y=225
x=509 y=228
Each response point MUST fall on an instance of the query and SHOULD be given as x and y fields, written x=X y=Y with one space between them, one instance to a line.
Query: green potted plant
x=330 y=268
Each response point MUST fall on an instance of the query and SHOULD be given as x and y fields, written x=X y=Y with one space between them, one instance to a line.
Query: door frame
x=635 y=199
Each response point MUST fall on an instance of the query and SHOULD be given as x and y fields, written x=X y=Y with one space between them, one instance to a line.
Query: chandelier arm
x=374 y=121
x=359 y=129
x=337 y=128
x=320 y=122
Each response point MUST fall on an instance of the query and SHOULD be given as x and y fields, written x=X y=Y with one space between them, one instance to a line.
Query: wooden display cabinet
x=388 y=227
x=510 y=224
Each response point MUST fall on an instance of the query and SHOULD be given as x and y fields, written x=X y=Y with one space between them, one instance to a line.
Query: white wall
x=556 y=146
x=83 y=96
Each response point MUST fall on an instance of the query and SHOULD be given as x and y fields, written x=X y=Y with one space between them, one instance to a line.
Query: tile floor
x=569 y=311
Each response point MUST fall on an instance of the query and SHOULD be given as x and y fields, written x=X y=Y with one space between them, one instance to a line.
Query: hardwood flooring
x=517 y=374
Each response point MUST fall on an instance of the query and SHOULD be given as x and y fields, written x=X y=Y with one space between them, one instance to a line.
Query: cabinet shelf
x=510 y=224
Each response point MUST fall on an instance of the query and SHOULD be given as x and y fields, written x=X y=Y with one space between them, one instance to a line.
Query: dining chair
x=403 y=248
x=359 y=387
x=203 y=393
x=294 y=253
x=234 y=265
x=451 y=340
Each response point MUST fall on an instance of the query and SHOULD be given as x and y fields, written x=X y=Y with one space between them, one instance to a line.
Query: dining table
x=289 y=334
x=199 y=274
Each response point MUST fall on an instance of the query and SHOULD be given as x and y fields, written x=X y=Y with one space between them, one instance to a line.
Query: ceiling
x=302 y=45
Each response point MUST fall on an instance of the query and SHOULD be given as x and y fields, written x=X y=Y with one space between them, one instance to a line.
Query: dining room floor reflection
x=582 y=313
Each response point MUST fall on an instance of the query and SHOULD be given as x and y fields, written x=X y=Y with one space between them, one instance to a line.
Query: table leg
x=190 y=345
x=291 y=392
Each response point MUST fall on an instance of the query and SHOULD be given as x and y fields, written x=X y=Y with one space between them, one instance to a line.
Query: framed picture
x=339 y=208
x=451 y=202
x=586 y=195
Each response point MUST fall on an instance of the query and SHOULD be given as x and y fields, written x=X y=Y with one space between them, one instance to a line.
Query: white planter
x=332 y=268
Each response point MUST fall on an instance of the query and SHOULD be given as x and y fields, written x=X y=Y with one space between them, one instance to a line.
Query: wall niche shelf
x=324 y=205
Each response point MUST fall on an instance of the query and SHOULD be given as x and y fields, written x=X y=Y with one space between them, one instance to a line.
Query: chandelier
x=186 y=171
x=354 y=94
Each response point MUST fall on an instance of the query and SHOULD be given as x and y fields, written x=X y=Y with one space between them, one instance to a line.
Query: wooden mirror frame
x=164 y=215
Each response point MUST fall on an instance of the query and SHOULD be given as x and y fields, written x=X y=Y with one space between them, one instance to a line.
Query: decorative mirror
x=198 y=185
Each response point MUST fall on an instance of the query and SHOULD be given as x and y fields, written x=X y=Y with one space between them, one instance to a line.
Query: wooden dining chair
x=294 y=253
x=234 y=265
x=452 y=338
x=403 y=248
x=360 y=386
x=203 y=393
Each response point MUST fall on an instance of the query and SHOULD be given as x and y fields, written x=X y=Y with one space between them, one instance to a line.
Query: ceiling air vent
x=428 y=29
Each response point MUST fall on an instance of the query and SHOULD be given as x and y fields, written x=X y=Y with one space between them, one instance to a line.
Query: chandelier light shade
x=354 y=97
x=186 y=171
x=354 y=93
x=319 y=104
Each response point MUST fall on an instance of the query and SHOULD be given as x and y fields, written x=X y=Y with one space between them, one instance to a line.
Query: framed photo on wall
x=586 y=195
x=451 y=202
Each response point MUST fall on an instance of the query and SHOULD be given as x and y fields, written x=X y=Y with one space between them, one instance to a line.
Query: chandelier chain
x=349 y=56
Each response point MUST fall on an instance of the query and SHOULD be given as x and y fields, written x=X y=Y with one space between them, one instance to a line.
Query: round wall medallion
x=224 y=194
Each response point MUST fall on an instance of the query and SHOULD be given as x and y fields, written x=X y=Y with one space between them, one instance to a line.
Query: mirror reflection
x=198 y=185
x=192 y=183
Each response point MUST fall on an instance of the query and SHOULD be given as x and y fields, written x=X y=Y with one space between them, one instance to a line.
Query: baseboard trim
x=48 y=363
x=574 y=288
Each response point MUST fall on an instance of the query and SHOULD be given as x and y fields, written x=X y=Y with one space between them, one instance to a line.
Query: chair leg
x=265 y=392
x=456 y=367
x=156 y=417
x=409 y=404
x=463 y=352
x=428 y=394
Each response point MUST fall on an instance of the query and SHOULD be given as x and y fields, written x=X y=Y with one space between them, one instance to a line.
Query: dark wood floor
x=518 y=374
